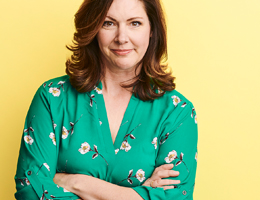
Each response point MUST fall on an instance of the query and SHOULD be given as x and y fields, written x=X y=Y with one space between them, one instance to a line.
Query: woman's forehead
x=126 y=9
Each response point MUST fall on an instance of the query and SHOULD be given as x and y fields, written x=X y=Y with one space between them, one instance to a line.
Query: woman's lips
x=121 y=52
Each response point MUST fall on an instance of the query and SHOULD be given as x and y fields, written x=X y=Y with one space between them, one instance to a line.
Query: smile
x=121 y=52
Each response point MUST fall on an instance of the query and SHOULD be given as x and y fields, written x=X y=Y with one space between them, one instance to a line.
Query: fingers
x=168 y=187
x=164 y=167
x=164 y=183
x=165 y=174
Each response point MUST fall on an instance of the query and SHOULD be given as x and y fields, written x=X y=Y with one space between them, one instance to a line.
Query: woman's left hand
x=160 y=175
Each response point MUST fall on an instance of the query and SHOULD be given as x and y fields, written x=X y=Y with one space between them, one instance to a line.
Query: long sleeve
x=38 y=154
x=177 y=144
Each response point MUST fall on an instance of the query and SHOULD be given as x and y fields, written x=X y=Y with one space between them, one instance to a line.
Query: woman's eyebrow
x=130 y=19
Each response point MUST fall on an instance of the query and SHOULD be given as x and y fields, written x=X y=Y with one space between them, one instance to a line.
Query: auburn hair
x=84 y=67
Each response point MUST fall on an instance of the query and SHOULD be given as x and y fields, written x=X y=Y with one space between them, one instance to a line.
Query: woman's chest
x=86 y=148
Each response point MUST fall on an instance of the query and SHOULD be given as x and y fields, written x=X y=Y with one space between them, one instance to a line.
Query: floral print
x=154 y=142
x=125 y=145
x=85 y=148
x=52 y=136
x=24 y=181
x=166 y=136
x=66 y=132
x=98 y=90
x=140 y=175
x=91 y=97
x=55 y=91
x=176 y=100
x=43 y=197
x=172 y=155
x=150 y=136
x=184 y=104
x=28 y=139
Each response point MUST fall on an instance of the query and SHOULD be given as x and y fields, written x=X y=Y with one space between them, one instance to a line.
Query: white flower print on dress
x=85 y=148
x=65 y=133
x=140 y=175
x=125 y=146
x=171 y=156
x=54 y=91
x=196 y=156
x=116 y=151
x=28 y=139
x=47 y=166
x=98 y=90
x=52 y=136
x=154 y=142
x=176 y=100
x=195 y=119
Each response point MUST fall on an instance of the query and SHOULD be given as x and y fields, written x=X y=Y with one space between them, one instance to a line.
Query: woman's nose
x=122 y=36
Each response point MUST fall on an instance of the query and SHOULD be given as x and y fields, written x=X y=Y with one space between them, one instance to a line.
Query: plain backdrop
x=214 y=50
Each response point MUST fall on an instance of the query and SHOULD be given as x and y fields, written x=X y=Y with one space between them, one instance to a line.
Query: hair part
x=85 y=66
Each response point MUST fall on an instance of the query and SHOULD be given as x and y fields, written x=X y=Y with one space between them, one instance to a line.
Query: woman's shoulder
x=176 y=98
x=56 y=87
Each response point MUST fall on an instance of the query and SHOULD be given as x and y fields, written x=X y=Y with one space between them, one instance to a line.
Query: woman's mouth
x=121 y=52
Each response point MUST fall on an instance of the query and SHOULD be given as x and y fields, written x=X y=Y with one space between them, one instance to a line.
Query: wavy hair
x=84 y=67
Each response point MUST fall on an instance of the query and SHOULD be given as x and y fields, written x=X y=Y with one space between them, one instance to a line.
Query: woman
x=114 y=128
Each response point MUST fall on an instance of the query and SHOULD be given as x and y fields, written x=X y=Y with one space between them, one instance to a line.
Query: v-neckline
x=124 y=125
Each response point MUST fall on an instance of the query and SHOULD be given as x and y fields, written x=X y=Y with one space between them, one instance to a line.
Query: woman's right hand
x=163 y=171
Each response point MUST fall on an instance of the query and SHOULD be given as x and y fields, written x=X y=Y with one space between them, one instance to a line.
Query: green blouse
x=68 y=131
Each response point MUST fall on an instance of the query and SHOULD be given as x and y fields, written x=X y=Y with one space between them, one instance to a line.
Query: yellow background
x=214 y=49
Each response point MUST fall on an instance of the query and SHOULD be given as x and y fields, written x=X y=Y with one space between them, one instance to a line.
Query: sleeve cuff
x=148 y=193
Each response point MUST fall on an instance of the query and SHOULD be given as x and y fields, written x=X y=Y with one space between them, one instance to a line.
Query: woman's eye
x=136 y=24
x=108 y=23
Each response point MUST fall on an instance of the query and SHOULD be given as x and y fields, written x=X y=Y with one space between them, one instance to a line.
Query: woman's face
x=124 y=37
